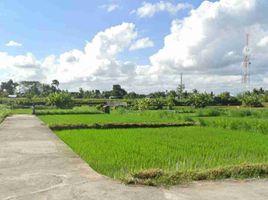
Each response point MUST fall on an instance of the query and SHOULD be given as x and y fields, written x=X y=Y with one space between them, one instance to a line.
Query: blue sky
x=53 y=27
x=43 y=40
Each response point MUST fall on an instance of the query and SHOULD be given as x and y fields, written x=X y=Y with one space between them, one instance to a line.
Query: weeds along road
x=35 y=164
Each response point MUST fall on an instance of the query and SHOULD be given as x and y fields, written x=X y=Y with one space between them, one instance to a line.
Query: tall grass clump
x=210 y=112
x=252 y=125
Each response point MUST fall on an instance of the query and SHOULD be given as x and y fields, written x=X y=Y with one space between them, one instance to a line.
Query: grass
x=4 y=112
x=21 y=111
x=76 y=110
x=118 y=117
x=180 y=153
x=230 y=143
x=120 y=125
x=156 y=177
x=253 y=124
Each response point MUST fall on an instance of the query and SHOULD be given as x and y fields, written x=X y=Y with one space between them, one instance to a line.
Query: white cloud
x=263 y=42
x=142 y=44
x=207 y=46
x=12 y=43
x=150 y=9
x=97 y=61
x=21 y=67
x=110 y=7
x=96 y=65
x=212 y=38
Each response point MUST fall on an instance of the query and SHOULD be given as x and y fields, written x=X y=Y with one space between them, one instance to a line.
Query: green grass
x=253 y=124
x=4 y=112
x=76 y=108
x=21 y=111
x=230 y=143
x=117 y=117
x=119 y=153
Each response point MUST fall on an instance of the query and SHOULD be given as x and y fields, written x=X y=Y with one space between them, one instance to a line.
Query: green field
x=116 y=117
x=226 y=143
x=252 y=124
x=119 y=153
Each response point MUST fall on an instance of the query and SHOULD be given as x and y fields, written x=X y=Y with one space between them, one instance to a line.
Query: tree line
x=178 y=97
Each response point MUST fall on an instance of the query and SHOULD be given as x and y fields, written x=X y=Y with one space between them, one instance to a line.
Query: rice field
x=252 y=124
x=225 y=143
x=117 y=117
x=119 y=153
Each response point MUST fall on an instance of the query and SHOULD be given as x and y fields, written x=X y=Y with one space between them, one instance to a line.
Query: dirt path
x=35 y=164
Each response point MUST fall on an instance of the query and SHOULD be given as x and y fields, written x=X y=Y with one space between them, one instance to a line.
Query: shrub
x=213 y=112
x=251 y=100
x=60 y=100
x=200 y=100
x=171 y=102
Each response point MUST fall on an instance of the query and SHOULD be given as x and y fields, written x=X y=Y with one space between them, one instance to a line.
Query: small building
x=12 y=96
x=116 y=104
x=114 y=97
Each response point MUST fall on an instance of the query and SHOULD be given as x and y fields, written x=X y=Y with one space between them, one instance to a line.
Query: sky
x=142 y=45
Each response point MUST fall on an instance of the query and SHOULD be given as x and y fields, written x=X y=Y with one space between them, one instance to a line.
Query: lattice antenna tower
x=246 y=64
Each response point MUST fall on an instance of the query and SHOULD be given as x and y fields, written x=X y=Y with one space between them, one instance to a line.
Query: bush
x=60 y=100
x=251 y=100
x=171 y=102
x=213 y=112
x=149 y=104
x=200 y=100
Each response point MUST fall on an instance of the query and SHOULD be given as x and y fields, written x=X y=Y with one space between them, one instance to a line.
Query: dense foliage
x=60 y=100
x=157 y=100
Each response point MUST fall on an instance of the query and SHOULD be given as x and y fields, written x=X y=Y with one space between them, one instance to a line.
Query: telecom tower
x=246 y=64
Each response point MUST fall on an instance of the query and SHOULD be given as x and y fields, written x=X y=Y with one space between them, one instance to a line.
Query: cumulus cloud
x=263 y=42
x=207 y=46
x=142 y=43
x=212 y=38
x=97 y=64
x=21 y=67
x=150 y=9
x=12 y=43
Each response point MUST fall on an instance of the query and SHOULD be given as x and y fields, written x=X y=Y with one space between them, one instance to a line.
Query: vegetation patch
x=66 y=112
x=253 y=125
x=119 y=125
x=156 y=177
x=118 y=116
x=4 y=112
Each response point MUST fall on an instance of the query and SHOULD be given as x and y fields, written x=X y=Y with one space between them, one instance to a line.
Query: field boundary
x=119 y=125
x=155 y=177
x=39 y=113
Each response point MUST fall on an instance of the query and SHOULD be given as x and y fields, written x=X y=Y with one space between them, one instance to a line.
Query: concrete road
x=36 y=165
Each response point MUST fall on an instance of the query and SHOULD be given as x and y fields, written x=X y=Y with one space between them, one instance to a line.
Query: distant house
x=114 y=97
x=116 y=104
x=149 y=97
x=12 y=96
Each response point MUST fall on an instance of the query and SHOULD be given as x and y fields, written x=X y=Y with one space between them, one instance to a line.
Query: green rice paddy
x=118 y=153
x=227 y=143
x=116 y=117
